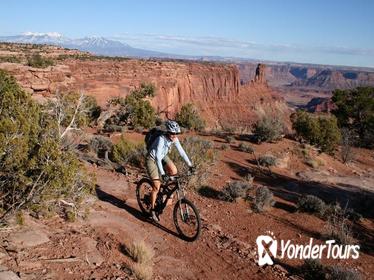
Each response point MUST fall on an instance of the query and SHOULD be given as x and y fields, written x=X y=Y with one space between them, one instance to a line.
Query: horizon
x=336 y=33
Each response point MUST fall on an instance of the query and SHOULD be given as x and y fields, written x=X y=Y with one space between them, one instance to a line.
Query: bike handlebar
x=176 y=177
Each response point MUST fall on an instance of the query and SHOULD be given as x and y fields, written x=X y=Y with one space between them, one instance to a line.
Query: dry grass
x=142 y=271
x=339 y=228
x=140 y=252
x=142 y=255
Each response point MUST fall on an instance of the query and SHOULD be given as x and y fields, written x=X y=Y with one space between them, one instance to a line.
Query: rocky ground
x=93 y=246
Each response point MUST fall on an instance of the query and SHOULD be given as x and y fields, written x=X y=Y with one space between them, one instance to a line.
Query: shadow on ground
x=104 y=196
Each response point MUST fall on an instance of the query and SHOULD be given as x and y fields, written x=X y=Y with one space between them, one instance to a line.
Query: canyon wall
x=214 y=88
x=316 y=77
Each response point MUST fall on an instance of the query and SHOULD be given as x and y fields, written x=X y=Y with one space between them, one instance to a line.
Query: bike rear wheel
x=187 y=219
x=143 y=195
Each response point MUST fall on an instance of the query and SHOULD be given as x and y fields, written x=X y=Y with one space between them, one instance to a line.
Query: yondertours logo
x=268 y=245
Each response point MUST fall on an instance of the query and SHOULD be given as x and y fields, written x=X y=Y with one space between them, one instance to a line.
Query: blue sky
x=328 y=32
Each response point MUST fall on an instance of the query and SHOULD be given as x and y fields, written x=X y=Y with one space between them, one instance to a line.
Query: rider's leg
x=155 y=189
x=171 y=170
x=154 y=175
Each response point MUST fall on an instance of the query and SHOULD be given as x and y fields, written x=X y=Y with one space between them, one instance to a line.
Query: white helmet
x=172 y=127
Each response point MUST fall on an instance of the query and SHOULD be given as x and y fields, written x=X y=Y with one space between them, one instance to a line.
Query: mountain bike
x=185 y=214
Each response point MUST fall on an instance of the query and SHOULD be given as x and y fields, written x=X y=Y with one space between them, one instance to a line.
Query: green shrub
x=234 y=190
x=113 y=128
x=311 y=204
x=229 y=138
x=34 y=167
x=65 y=109
x=268 y=129
x=92 y=110
x=135 y=110
x=189 y=117
x=125 y=152
x=246 y=148
x=201 y=153
x=98 y=144
x=37 y=61
x=267 y=160
x=355 y=111
x=263 y=199
x=10 y=59
x=321 y=131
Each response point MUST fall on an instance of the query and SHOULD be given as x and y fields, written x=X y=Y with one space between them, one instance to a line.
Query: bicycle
x=185 y=214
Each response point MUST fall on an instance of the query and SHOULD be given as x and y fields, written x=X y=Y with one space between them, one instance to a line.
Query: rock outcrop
x=260 y=74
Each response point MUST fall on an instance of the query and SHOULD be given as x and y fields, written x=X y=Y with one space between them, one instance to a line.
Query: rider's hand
x=165 y=178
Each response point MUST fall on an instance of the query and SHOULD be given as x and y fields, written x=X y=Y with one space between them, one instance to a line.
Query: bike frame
x=165 y=190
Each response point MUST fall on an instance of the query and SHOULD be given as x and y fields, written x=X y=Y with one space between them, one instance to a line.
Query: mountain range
x=96 y=45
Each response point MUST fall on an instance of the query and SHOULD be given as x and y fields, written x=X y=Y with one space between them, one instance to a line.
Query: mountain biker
x=158 y=162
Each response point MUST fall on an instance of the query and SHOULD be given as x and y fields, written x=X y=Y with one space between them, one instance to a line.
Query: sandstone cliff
x=214 y=88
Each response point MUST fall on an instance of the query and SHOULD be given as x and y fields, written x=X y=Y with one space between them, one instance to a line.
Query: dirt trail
x=213 y=256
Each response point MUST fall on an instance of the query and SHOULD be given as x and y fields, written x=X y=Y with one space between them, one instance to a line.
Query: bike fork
x=186 y=214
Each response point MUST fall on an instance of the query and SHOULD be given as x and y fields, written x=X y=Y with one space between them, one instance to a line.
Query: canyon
x=214 y=88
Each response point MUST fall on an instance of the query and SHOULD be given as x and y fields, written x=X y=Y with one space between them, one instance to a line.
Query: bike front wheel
x=187 y=220
x=143 y=194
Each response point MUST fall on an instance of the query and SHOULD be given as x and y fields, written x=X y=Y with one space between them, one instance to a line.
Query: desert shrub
x=229 y=138
x=267 y=160
x=201 y=153
x=10 y=59
x=355 y=111
x=311 y=204
x=141 y=113
x=65 y=110
x=234 y=190
x=336 y=272
x=190 y=118
x=92 y=110
x=113 y=128
x=34 y=167
x=268 y=129
x=263 y=199
x=225 y=147
x=134 y=110
x=246 y=148
x=100 y=144
x=347 y=142
x=37 y=61
x=321 y=131
x=125 y=152
x=313 y=269
x=339 y=228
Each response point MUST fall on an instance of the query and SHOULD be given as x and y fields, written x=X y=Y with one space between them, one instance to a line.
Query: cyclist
x=157 y=160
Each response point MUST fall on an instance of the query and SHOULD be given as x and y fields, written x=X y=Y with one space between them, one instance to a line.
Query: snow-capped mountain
x=96 y=45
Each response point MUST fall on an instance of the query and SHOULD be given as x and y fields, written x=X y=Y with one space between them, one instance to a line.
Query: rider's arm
x=182 y=152
x=159 y=154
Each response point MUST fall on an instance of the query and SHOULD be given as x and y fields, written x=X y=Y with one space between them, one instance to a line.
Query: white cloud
x=50 y=34
x=224 y=46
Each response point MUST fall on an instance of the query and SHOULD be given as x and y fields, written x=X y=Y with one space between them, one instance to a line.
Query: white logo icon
x=266 y=247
